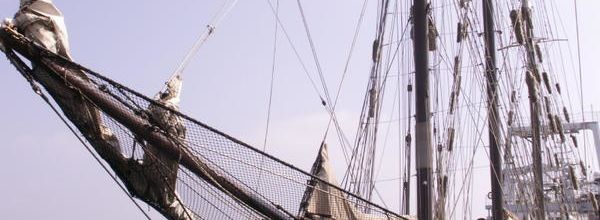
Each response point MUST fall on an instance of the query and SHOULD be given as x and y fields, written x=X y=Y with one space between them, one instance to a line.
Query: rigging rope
x=270 y=98
x=343 y=140
x=296 y=53
x=580 y=73
x=325 y=102
x=210 y=28
x=328 y=104
x=314 y=53
x=273 y=66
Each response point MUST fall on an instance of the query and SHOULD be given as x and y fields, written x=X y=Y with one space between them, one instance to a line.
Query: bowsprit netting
x=217 y=177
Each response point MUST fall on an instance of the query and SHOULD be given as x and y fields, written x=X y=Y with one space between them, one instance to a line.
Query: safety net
x=223 y=178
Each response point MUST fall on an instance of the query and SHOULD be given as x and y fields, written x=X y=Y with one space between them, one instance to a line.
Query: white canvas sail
x=43 y=22
x=327 y=202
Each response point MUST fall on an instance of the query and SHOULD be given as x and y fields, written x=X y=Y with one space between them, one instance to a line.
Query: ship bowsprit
x=183 y=168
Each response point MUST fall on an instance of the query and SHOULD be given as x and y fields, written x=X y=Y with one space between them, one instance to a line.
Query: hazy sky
x=46 y=174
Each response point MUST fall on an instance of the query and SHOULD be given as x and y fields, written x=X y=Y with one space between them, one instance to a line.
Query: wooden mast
x=493 y=116
x=533 y=89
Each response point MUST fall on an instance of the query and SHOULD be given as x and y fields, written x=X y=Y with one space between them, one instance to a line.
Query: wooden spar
x=536 y=147
x=141 y=128
x=424 y=152
x=493 y=115
x=534 y=105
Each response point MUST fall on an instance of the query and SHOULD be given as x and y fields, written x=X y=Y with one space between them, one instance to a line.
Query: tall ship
x=449 y=85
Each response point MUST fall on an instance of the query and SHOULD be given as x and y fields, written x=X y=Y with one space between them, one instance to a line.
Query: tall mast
x=423 y=123
x=534 y=105
x=493 y=116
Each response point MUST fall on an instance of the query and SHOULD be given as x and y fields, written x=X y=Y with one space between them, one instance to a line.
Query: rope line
x=210 y=29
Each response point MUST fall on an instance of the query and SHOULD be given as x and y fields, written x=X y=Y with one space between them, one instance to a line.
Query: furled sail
x=42 y=22
x=324 y=201
x=156 y=178
x=151 y=179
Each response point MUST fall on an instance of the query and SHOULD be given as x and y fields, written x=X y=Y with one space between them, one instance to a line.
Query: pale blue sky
x=46 y=174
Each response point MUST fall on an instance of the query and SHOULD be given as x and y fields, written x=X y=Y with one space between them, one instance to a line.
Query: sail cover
x=326 y=201
x=42 y=21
